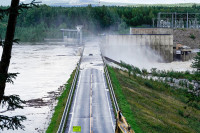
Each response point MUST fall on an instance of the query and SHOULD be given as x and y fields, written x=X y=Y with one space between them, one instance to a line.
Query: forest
x=45 y=21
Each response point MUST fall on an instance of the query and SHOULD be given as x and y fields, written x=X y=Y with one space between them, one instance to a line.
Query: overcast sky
x=7 y=2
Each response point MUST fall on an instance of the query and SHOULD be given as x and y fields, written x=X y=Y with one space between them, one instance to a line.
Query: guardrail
x=69 y=99
x=111 y=87
x=121 y=123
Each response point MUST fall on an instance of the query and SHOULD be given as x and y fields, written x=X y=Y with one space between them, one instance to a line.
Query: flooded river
x=43 y=70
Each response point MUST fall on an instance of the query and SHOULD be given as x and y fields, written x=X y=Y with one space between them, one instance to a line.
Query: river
x=44 y=69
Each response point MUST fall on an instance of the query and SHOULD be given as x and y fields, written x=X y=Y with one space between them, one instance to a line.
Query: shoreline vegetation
x=59 y=108
x=153 y=105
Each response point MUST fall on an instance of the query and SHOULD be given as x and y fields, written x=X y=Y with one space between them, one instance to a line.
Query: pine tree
x=11 y=102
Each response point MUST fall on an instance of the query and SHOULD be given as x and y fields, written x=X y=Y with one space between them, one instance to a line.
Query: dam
x=157 y=40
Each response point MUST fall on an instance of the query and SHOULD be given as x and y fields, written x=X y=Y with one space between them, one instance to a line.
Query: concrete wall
x=161 y=44
x=70 y=40
x=151 y=31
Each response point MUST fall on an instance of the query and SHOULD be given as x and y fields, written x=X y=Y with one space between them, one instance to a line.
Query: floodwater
x=175 y=65
x=43 y=69
x=144 y=58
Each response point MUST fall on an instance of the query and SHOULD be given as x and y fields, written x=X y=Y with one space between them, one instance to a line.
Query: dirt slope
x=188 y=37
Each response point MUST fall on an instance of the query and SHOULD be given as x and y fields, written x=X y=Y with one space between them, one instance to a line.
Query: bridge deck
x=91 y=107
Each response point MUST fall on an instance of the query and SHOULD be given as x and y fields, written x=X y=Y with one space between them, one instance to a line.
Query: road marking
x=75 y=102
x=108 y=102
x=76 y=128
x=91 y=119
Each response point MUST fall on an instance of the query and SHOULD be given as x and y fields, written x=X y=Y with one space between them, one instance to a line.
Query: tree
x=196 y=62
x=6 y=55
x=11 y=102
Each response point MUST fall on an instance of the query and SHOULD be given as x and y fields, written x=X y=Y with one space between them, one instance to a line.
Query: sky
x=7 y=2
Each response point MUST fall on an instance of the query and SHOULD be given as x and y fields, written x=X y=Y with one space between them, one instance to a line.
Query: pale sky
x=7 y=2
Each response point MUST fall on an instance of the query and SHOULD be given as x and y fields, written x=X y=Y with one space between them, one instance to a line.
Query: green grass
x=57 y=116
x=122 y=101
x=154 y=107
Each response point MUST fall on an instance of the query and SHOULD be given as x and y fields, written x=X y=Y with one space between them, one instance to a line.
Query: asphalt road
x=91 y=106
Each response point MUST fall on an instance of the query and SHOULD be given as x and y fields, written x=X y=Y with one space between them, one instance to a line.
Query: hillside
x=188 y=37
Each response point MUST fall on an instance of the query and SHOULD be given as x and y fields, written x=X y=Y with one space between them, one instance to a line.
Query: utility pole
x=153 y=19
x=187 y=20
x=158 y=23
x=172 y=20
x=175 y=19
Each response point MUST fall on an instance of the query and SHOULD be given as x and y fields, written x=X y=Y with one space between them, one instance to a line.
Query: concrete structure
x=74 y=36
x=158 y=40
x=151 y=31
x=183 y=53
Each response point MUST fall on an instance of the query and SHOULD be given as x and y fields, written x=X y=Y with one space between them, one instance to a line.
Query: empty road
x=91 y=106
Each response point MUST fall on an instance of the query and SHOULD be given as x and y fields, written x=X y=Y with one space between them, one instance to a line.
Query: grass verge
x=59 y=109
x=122 y=101
x=153 y=107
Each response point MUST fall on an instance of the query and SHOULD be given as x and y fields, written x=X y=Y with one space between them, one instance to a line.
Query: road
x=91 y=106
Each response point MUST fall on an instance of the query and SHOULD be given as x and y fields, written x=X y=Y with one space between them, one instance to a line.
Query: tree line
x=44 y=22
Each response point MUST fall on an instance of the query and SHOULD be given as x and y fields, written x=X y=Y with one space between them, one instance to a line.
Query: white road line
x=91 y=122
x=75 y=102
x=108 y=103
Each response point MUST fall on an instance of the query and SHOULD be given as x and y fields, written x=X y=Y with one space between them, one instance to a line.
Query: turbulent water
x=43 y=69
x=142 y=57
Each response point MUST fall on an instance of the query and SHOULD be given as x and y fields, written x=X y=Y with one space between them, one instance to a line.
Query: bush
x=148 y=84
x=191 y=87
x=192 y=36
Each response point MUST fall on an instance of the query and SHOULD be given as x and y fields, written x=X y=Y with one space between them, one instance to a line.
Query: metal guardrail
x=121 y=123
x=69 y=99
x=111 y=87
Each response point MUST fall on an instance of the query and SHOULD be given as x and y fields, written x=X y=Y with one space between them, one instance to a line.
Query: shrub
x=148 y=84
x=192 y=36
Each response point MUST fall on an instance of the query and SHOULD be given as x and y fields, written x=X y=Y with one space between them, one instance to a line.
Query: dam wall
x=160 y=44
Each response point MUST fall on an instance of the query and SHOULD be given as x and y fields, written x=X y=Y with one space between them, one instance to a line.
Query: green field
x=154 y=107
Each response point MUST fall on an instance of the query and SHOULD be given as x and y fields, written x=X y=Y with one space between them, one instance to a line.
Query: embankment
x=59 y=109
x=152 y=106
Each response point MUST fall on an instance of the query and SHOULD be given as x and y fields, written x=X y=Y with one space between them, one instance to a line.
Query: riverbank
x=59 y=109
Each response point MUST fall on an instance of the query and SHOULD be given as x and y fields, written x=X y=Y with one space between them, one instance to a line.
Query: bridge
x=91 y=98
